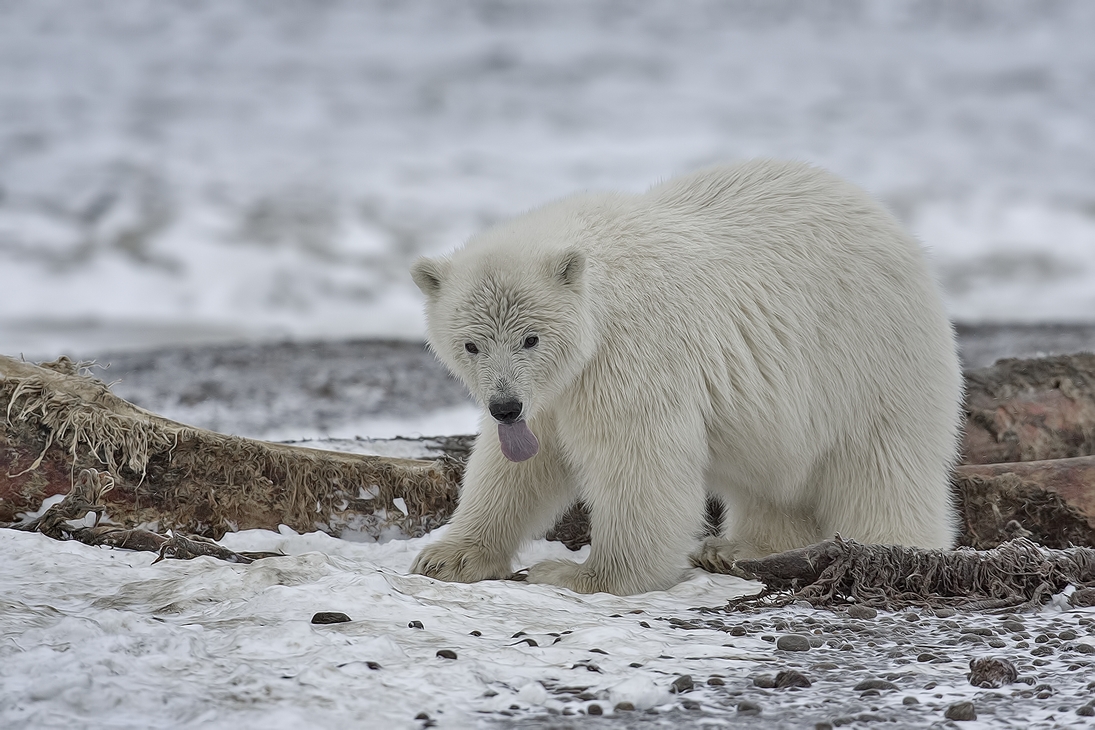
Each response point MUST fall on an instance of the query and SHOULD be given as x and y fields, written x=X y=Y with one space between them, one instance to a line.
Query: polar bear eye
x=531 y=341
x=471 y=348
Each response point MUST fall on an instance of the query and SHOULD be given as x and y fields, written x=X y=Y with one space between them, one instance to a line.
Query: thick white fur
x=762 y=331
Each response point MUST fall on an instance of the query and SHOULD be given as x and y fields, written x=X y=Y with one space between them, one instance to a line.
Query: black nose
x=506 y=411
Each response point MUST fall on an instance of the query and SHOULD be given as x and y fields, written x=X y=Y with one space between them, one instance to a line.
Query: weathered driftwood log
x=57 y=422
x=1030 y=410
x=886 y=576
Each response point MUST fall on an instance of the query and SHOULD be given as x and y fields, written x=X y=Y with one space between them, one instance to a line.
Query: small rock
x=991 y=672
x=793 y=642
x=791 y=678
x=373 y=665
x=681 y=684
x=476 y=632
x=874 y=684
x=823 y=726
x=422 y=716
x=961 y=711
x=1084 y=649
x=910 y=700
x=1067 y=635
x=415 y=625
x=1013 y=626
x=716 y=682
x=594 y=709
x=330 y=617
x=945 y=612
x=764 y=681
x=1082 y=598
x=738 y=631
x=856 y=611
x=926 y=657
x=746 y=707
x=1086 y=711
x=446 y=653
x=911 y=617
x=1042 y=650
x=623 y=707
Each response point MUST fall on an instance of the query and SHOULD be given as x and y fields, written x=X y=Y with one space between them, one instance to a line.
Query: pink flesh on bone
x=518 y=441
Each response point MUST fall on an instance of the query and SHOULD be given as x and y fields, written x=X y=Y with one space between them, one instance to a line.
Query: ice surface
x=180 y=172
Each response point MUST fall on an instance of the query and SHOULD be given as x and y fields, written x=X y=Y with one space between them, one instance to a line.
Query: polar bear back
x=782 y=302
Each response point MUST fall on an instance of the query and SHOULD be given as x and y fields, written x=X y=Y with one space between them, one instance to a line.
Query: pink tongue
x=518 y=441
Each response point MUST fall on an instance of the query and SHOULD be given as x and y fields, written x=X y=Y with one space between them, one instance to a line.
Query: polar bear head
x=509 y=314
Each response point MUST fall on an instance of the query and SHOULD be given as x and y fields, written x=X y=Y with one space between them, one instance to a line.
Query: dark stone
x=746 y=707
x=764 y=681
x=422 y=716
x=926 y=657
x=1067 y=635
x=1082 y=598
x=716 y=682
x=793 y=642
x=372 y=665
x=1084 y=649
x=961 y=711
x=624 y=707
x=1086 y=711
x=446 y=653
x=856 y=611
x=991 y=672
x=477 y=632
x=330 y=617
x=1042 y=650
x=874 y=684
x=1013 y=626
x=791 y=678
x=415 y=625
x=594 y=709
x=681 y=684
x=823 y=726
x=910 y=700
x=738 y=631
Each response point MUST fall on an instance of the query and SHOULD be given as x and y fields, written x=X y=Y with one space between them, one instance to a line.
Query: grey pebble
x=446 y=653
x=748 y=708
x=961 y=711
x=791 y=678
x=856 y=611
x=992 y=672
x=793 y=642
x=1084 y=649
x=682 y=684
x=910 y=700
x=764 y=681
x=415 y=625
x=623 y=707
x=594 y=709
x=874 y=684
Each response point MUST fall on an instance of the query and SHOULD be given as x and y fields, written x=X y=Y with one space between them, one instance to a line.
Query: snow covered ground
x=196 y=172
x=98 y=638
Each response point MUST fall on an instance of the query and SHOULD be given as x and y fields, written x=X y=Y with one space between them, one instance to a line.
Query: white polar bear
x=764 y=332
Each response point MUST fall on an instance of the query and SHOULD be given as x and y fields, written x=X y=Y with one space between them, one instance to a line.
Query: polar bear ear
x=428 y=274
x=569 y=268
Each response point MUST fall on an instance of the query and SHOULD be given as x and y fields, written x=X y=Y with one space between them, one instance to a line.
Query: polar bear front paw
x=567 y=574
x=457 y=562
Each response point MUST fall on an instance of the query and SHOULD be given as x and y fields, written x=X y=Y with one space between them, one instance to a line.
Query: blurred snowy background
x=184 y=172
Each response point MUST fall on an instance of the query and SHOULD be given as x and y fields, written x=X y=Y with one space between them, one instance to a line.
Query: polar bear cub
x=763 y=331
